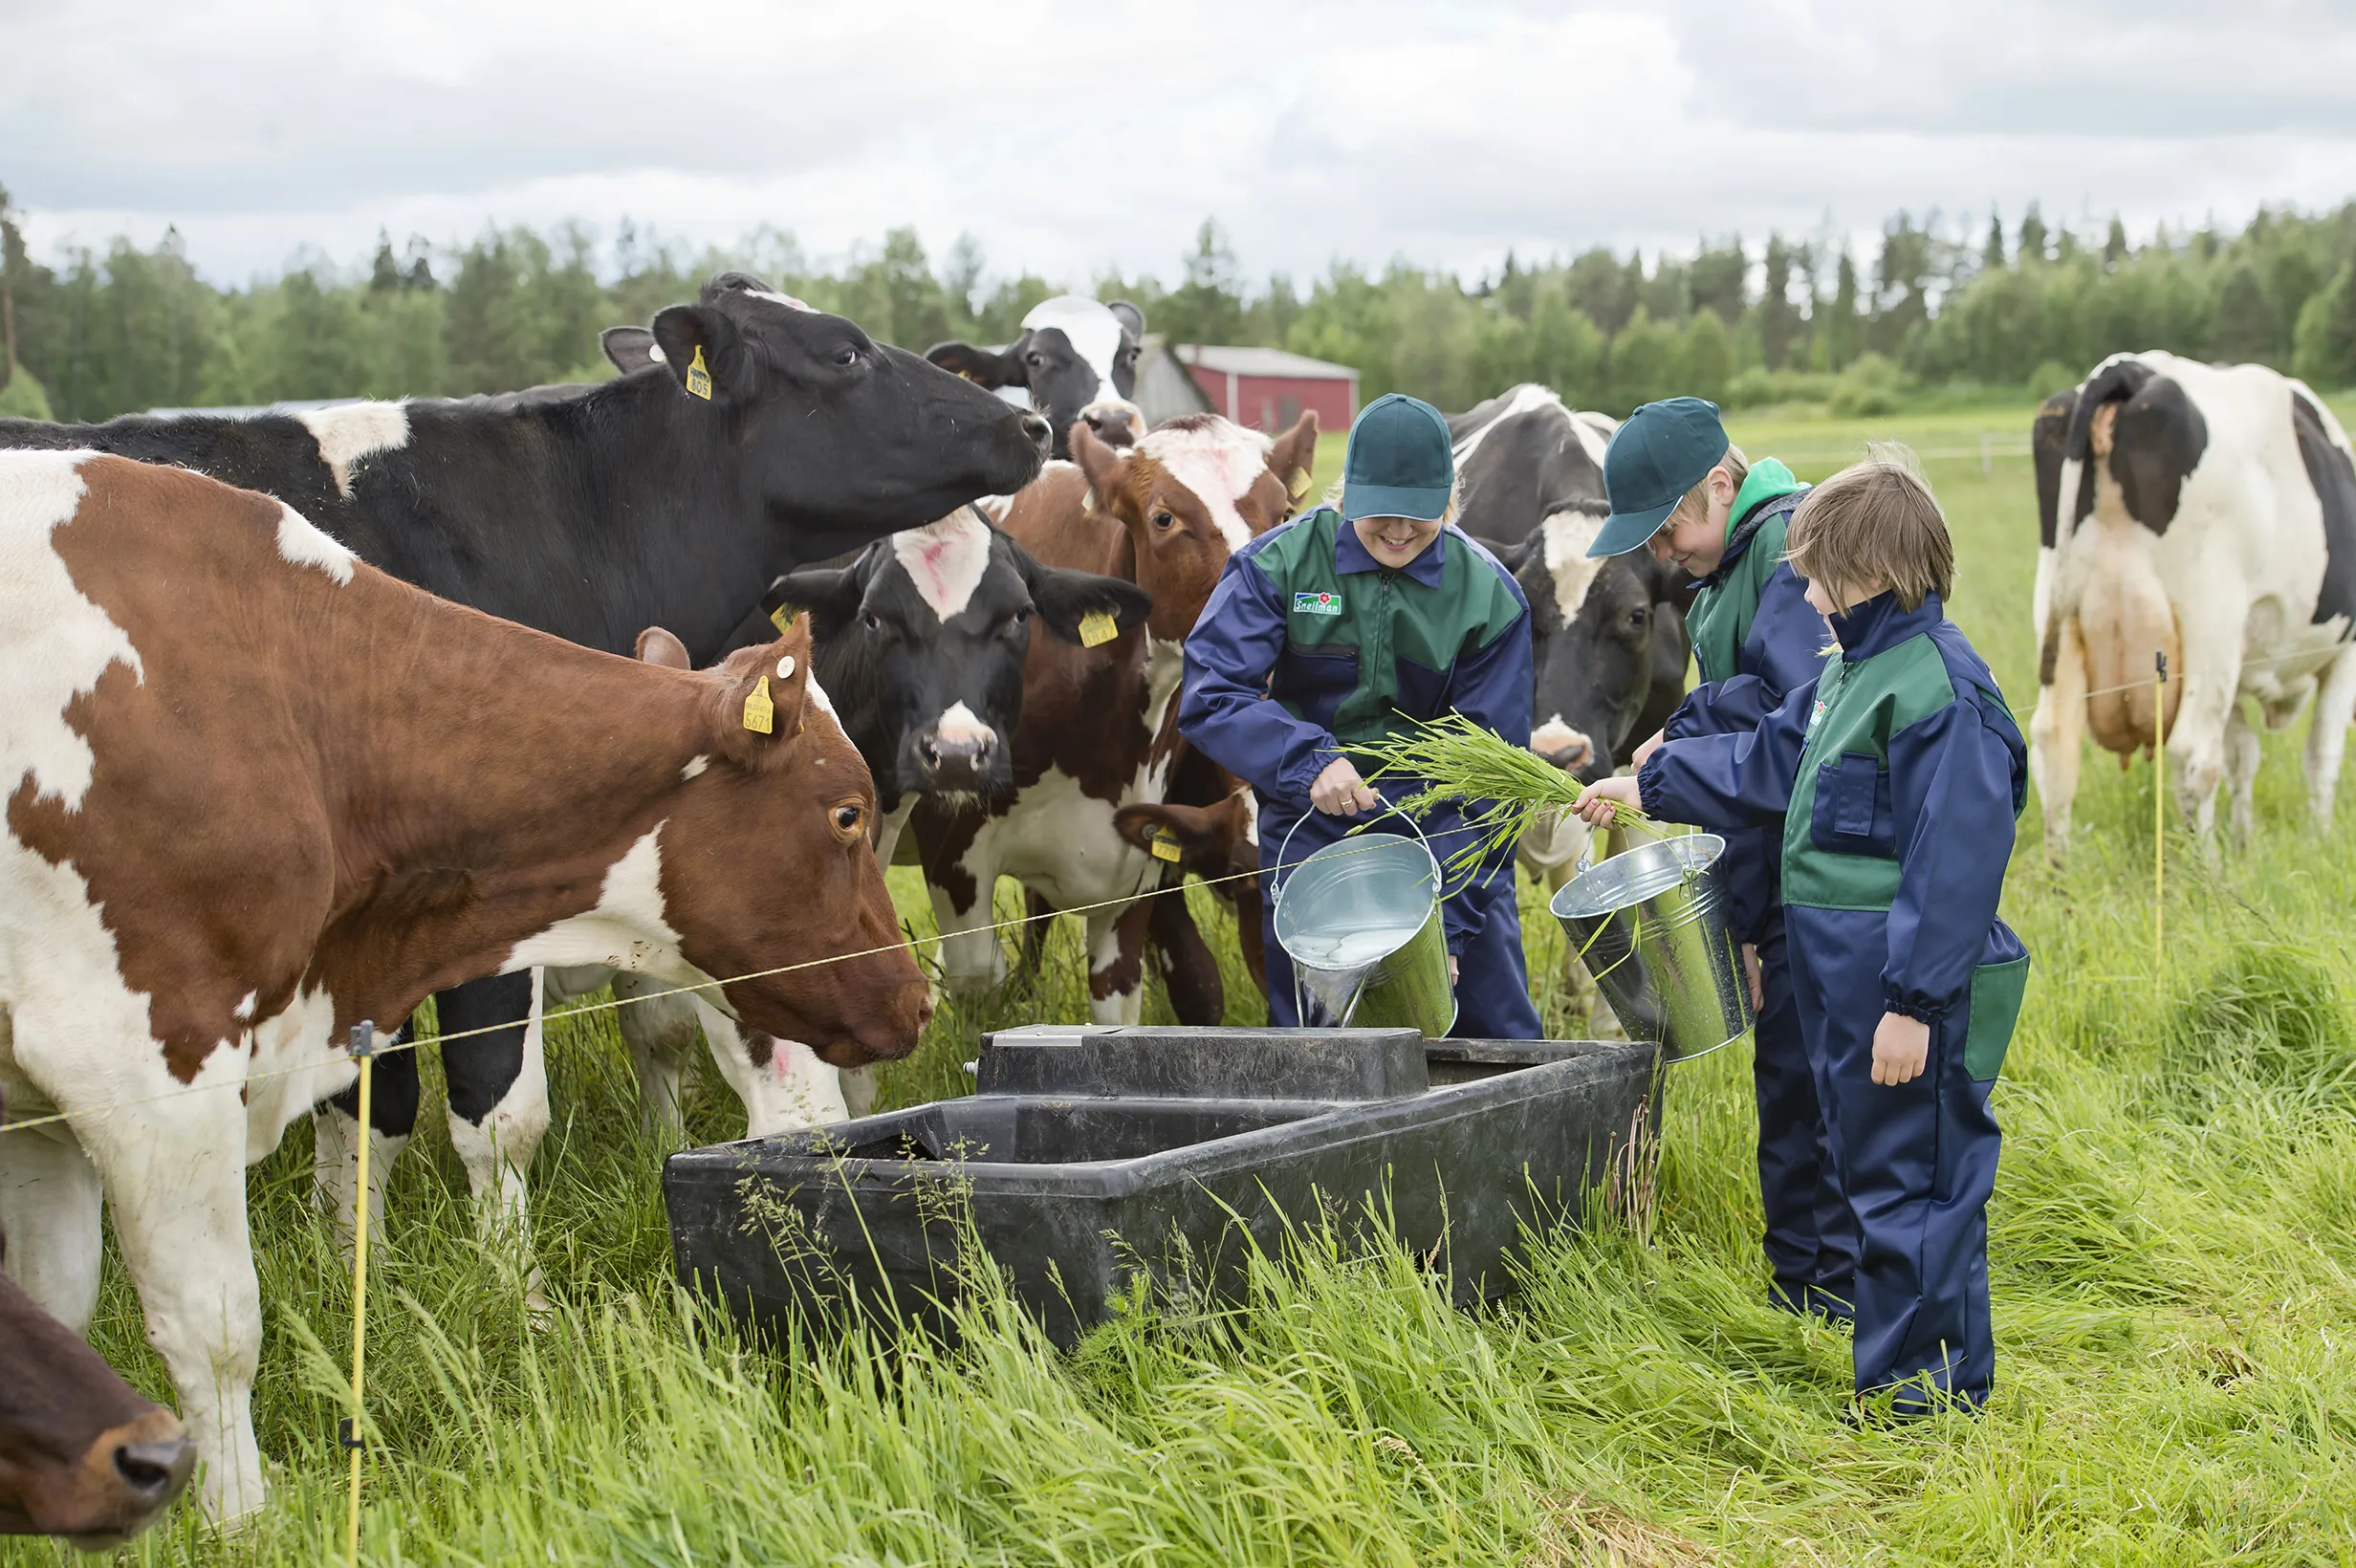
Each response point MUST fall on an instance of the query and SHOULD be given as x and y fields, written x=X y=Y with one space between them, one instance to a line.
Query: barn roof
x=1262 y=362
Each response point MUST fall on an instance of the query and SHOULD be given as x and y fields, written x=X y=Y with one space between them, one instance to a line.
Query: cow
x=922 y=639
x=1099 y=729
x=1076 y=362
x=2206 y=514
x=1607 y=636
x=81 y=1455
x=265 y=794
x=767 y=435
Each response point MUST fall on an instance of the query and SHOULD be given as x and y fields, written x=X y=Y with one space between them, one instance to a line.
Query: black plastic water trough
x=1090 y=1154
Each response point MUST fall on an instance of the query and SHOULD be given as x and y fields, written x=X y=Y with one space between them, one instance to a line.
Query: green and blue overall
x=1756 y=638
x=1897 y=777
x=1309 y=648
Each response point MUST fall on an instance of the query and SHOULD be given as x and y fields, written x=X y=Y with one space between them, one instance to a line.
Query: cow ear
x=658 y=646
x=830 y=593
x=1065 y=600
x=1191 y=829
x=764 y=696
x=631 y=349
x=704 y=351
x=1132 y=320
x=1292 y=458
x=1104 y=467
x=979 y=366
x=1514 y=557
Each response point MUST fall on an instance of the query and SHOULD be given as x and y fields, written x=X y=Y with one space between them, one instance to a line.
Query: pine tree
x=2032 y=242
x=1991 y=254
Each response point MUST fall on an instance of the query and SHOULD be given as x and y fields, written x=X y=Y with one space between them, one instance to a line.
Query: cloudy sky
x=1076 y=138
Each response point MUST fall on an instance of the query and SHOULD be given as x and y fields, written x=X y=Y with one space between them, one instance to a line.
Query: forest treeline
x=1935 y=312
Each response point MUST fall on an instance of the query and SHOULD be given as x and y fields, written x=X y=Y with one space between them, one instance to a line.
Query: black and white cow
x=769 y=435
x=1076 y=362
x=2206 y=512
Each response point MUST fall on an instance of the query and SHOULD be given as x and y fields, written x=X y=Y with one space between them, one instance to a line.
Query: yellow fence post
x=363 y=1052
x=2159 y=828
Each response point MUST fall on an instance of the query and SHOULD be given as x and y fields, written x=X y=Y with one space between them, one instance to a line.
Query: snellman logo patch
x=1319 y=603
x=1818 y=711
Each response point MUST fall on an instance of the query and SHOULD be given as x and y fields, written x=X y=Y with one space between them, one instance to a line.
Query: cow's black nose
x=153 y=1472
x=1113 y=427
x=1041 y=433
x=957 y=764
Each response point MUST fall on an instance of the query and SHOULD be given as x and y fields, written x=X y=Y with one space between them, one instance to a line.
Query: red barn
x=1267 y=389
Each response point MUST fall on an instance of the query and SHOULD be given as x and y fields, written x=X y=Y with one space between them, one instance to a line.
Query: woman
x=1342 y=628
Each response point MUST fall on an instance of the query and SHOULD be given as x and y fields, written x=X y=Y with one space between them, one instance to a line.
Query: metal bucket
x=1652 y=927
x=1361 y=920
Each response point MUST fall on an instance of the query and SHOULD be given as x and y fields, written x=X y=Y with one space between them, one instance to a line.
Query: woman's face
x=1395 y=541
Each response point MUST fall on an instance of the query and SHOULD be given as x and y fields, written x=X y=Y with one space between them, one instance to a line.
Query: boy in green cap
x=1679 y=487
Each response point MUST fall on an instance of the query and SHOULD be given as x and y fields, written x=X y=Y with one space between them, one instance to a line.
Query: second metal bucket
x=1652 y=927
x=1360 y=922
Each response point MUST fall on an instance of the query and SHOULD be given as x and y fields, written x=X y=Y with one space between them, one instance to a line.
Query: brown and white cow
x=81 y=1455
x=230 y=841
x=2206 y=512
x=1098 y=729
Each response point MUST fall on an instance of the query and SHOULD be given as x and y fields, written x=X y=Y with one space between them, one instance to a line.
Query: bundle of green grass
x=1503 y=790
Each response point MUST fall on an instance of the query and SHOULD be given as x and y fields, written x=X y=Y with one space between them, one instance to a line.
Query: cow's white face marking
x=946 y=561
x=775 y=298
x=351 y=431
x=1093 y=330
x=694 y=768
x=304 y=544
x=55 y=642
x=961 y=724
x=1219 y=461
x=1567 y=534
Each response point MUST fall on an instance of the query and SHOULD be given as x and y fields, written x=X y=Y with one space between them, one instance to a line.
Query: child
x=1897 y=777
x=1679 y=487
x=1338 y=629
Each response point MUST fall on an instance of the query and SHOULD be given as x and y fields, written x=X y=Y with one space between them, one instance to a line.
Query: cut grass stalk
x=1503 y=790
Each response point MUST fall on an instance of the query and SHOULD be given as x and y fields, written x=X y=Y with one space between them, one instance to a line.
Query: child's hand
x=1644 y=753
x=1597 y=800
x=1339 y=790
x=1901 y=1047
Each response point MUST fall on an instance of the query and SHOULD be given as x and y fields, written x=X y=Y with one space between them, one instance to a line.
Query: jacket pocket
x=1996 y=992
x=1852 y=814
x=1314 y=681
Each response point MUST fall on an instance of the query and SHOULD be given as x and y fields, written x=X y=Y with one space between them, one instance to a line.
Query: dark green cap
x=1663 y=451
x=1400 y=462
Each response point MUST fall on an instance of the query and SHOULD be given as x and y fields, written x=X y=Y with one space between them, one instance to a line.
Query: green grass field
x=2173 y=1237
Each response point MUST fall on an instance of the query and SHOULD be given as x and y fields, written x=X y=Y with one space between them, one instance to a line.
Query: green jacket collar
x=1767 y=480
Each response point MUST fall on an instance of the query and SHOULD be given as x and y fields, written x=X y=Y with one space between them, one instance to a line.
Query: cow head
x=1591 y=635
x=845 y=435
x=81 y=1455
x=925 y=636
x=772 y=838
x=1192 y=492
x=1211 y=841
x=1077 y=360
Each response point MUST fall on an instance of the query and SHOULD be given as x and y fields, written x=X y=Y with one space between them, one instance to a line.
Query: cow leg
x=393 y=1094
x=498 y=1100
x=1188 y=971
x=661 y=1035
x=2057 y=734
x=1117 y=963
x=2327 y=735
x=783 y=1084
x=2242 y=754
x=50 y=1201
x=2196 y=742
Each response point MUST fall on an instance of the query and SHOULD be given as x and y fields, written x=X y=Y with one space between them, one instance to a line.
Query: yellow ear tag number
x=782 y=618
x=1164 y=844
x=699 y=379
x=1096 y=627
x=760 y=713
x=1299 y=485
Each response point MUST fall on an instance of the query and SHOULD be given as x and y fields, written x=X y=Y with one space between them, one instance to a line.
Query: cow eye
x=1162 y=520
x=1639 y=616
x=1016 y=622
x=873 y=622
x=1036 y=360
x=847 y=820
x=846 y=356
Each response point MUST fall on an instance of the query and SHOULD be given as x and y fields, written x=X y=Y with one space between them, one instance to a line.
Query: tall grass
x=2172 y=1239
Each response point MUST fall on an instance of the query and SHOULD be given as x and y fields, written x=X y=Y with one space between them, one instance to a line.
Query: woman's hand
x=1339 y=790
x=1901 y=1047
x=1644 y=752
x=1597 y=800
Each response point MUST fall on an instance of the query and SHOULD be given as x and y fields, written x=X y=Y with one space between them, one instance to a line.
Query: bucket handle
x=1275 y=879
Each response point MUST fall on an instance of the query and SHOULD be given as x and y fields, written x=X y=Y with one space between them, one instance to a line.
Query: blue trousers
x=1918 y=1162
x=1493 y=981
x=1811 y=1237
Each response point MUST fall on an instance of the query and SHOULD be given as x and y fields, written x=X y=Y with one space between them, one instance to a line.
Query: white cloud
x=1074 y=138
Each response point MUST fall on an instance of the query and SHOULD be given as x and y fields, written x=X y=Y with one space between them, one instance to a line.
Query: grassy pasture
x=2173 y=1236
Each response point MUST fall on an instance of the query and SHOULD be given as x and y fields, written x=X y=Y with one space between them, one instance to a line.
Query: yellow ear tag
x=1164 y=844
x=782 y=618
x=699 y=379
x=760 y=713
x=1299 y=485
x=1096 y=626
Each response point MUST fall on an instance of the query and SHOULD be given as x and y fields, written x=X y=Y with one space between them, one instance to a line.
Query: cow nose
x=154 y=1473
x=959 y=764
x=1042 y=434
x=1558 y=745
x=1115 y=424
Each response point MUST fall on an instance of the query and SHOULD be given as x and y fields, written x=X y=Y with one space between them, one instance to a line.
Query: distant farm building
x=1267 y=389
